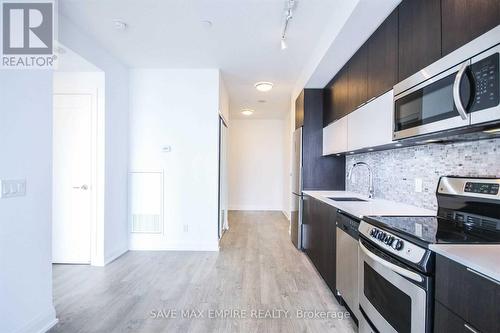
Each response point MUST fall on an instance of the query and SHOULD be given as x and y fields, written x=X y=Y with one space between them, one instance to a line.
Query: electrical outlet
x=418 y=185
x=12 y=188
x=186 y=228
x=166 y=149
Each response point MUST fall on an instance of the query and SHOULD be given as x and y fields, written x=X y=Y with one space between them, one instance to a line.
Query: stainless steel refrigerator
x=296 y=209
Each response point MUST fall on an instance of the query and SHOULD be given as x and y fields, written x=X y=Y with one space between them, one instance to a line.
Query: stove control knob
x=374 y=232
x=389 y=240
x=381 y=236
x=398 y=245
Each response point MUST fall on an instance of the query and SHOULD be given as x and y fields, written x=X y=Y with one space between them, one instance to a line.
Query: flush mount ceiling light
x=262 y=101
x=247 y=112
x=263 y=86
x=289 y=7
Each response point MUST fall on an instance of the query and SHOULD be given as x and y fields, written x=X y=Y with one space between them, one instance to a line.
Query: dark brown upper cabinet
x=383 y=57
x=299 y=110
x=336 y=97
x=464 y=20
x=419 y=35
x=358 y=79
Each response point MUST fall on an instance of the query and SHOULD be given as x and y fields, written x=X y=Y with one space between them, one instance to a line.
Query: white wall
x=25 y=222
x=116 y=135
x=178 y=108
x=256 y=173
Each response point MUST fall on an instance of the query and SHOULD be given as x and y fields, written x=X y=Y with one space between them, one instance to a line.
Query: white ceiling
x=244 y=40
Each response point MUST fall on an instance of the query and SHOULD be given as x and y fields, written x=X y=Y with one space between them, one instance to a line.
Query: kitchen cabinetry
x=318 y=172
x=335 y=137
x=368 y=126
x=464 y=294
x=337 y=97
x=319 y=232
x=299 y=110
x=464 y=20
x=357 y=79
x=371 y=124
x=419 y=42
x=383 y=57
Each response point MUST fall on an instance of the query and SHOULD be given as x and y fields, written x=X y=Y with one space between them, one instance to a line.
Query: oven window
x=429 y=104
x=393 y=304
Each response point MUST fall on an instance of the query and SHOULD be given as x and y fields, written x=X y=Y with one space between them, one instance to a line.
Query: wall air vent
x=146 y=202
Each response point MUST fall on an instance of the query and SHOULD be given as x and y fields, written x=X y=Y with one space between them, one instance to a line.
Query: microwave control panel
x=486 y=77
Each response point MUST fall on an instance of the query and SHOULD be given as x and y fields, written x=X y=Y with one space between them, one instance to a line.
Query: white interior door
x=72 y=173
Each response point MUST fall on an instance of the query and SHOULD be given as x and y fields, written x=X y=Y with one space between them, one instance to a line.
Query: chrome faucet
x=370 y=174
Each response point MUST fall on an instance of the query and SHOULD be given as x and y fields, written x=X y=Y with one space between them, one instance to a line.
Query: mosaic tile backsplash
x=395 y=170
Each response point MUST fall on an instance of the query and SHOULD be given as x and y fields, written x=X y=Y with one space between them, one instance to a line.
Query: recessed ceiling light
x=262 y=101
x=247 y=112
x=263 y=86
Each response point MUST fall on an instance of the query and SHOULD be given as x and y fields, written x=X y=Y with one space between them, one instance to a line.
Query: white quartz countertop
x=360 y=209
x=484 y=259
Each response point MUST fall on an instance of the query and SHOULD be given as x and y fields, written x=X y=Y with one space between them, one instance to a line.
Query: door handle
x=84 y=187
x=401 y=271
x=456 y=91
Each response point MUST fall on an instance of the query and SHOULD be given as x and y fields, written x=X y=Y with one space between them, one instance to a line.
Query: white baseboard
x=255 y=208
x=114 y=255
x=204 y=247
x=41 y=323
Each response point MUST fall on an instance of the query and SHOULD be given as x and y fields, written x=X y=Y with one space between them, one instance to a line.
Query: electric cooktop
x=468 y=212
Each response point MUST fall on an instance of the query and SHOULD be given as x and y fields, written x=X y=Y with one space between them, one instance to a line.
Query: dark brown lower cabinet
x=319 y=237
x=468 y=295
x=447 y=321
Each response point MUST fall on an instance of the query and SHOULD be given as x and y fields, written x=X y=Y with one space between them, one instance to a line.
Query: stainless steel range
x=396 y=266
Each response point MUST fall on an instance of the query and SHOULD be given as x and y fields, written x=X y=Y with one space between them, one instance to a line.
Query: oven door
x=391 y=296
x=437 y=104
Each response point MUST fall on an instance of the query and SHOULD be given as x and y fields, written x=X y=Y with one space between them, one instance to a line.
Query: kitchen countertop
x=360 y=209
x=482 y=258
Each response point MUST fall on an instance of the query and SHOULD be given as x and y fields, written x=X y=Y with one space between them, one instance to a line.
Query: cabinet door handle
x=470 y=328
x=483 y=276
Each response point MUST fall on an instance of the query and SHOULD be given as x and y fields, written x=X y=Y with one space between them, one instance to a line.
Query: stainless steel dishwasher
x=347 y=261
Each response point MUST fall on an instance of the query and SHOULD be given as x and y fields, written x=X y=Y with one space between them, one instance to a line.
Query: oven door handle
x=395 y=268
x=456 y=91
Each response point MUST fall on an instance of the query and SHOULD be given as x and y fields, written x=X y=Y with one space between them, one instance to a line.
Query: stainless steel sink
x=347 y=199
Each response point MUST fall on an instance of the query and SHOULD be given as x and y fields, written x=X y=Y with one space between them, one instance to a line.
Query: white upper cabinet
x=368 y=126
x=371 y=124
x=335 y=137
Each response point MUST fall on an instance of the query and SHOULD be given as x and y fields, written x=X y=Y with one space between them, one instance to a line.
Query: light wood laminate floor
x=256 y=270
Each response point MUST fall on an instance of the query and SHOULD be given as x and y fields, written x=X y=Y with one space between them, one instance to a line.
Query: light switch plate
x=12 y=188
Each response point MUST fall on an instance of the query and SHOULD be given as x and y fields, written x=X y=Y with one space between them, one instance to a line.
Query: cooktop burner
x=426 y=230
x=468 y=212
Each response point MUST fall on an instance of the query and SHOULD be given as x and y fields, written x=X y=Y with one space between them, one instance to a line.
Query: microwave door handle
x=395 y=268
x=456 y=91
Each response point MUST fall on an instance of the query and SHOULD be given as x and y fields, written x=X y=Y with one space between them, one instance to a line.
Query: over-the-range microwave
x=459 y=93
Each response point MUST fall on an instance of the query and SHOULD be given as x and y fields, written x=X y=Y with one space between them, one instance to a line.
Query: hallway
x=256 y=270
